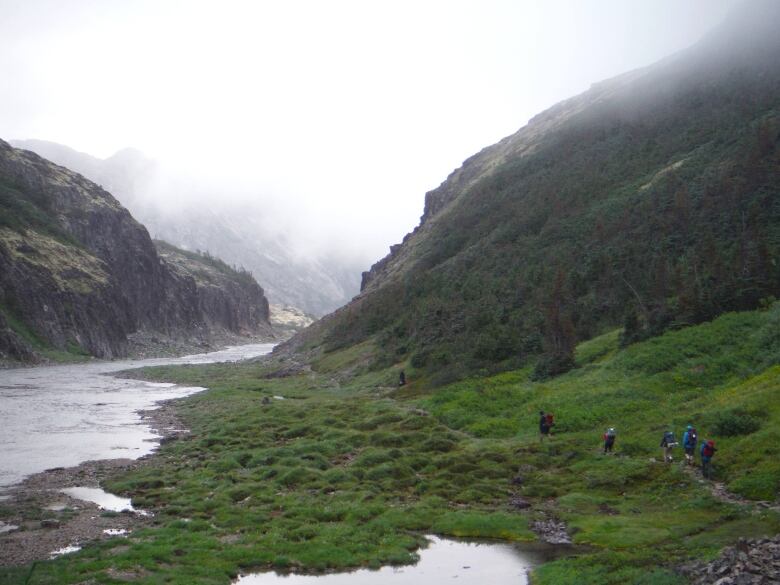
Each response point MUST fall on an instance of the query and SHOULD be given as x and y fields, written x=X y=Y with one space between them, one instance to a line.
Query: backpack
x=707 y=450
x=550 y=419
x=692 y=437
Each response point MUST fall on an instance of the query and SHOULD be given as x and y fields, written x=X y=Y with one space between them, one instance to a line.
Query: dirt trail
x=721 y=493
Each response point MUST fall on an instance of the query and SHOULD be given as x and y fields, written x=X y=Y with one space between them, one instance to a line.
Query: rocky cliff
x=78 y=273
x=236 y=232
x=228 y=298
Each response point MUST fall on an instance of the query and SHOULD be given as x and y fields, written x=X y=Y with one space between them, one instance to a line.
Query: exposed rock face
x=77 y=272
x=285 y=318
x=228 y=299
x=750 y=562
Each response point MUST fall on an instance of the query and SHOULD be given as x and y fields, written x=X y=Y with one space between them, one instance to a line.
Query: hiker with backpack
x=609 y=440
x=690 y=439
x=707 y=452
x=667 y=444
x=544 y=428
x=550 y=421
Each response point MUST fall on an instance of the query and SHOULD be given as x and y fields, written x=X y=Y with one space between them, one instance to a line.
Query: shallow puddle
x=444 y=561
x=64 y=551
x=103 y=499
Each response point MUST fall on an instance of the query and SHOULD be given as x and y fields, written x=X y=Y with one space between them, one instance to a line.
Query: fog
x=332 y=118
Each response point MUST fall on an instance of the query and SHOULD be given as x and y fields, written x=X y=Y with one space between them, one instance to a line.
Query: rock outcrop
x=750 y=562
x=227 y=298
x=78 y=273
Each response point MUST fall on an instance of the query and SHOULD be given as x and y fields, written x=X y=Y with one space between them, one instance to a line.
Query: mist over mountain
x=242 y=232
x=650 y=201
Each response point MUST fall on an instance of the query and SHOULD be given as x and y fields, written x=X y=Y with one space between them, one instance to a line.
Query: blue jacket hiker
x=690 y=438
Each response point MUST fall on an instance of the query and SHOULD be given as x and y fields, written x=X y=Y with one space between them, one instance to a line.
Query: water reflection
x=103 y=499
x=444 y=561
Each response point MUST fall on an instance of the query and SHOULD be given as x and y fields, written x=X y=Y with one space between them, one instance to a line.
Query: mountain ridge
x=649 y=201
x=234 y=232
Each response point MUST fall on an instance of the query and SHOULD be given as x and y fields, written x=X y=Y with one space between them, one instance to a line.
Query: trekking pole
x=29 y=575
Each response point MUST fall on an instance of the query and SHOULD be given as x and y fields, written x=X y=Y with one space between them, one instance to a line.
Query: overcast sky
x=342 y=114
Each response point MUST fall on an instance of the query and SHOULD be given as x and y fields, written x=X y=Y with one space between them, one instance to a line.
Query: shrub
x=734 y=423
x=552 y=365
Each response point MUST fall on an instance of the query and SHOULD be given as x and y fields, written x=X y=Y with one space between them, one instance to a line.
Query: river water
x=60 y=416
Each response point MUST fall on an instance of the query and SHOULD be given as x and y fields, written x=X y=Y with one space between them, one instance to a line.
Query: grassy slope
x=662 y=190
x=350 y=474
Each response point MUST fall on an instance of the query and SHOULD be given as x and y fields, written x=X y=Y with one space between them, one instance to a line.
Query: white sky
x=340 y=114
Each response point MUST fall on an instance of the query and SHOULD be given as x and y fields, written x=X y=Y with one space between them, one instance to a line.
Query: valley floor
x=321 y=471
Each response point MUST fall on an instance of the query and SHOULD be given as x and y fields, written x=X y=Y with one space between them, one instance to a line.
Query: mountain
x=650 y=201
x=79 y=274
x=238 y=233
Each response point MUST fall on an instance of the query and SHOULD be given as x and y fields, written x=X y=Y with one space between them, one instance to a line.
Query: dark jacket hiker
x=609 y=440
x=668 y=442
x=707 y=452
x=544 y=427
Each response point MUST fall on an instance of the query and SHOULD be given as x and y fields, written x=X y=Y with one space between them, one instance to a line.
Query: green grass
x=351 y=473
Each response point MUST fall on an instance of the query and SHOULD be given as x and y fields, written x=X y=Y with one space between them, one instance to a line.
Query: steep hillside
x=238 y=234
x=650 y=201
x=79 y=274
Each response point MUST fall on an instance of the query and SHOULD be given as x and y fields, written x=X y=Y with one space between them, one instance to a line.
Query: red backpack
x=550 y=419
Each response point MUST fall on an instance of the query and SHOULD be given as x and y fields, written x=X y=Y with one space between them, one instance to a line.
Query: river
x=61 y=416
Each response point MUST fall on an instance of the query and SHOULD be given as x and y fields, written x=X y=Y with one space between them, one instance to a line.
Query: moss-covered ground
x=352 y=473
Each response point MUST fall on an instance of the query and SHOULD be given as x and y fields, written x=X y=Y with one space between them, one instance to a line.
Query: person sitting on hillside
x=544 y=428
x=609 y=440
x=707 y=451
x=667 y=444
x=689 y=444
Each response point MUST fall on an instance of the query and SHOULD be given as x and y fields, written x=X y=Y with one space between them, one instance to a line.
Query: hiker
x=668 y=443
x=544 y=428
x=690 y=439
x=707 y=451
x=609 y=440
x=402 y=379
